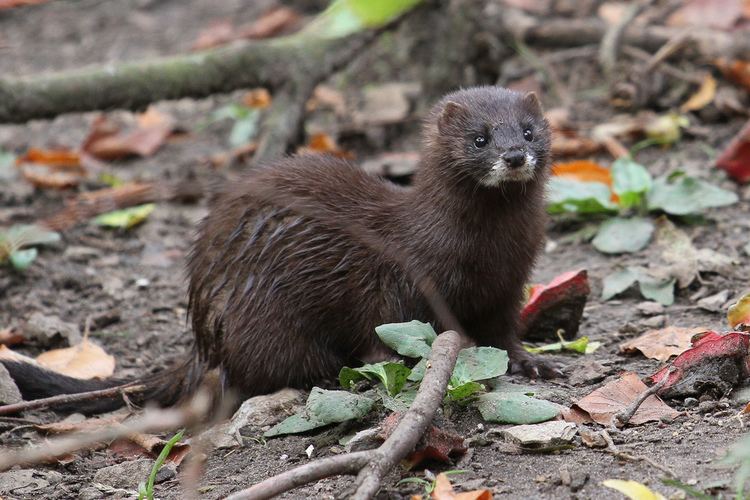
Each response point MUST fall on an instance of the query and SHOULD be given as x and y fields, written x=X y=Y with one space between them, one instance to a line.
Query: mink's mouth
x=501 y=172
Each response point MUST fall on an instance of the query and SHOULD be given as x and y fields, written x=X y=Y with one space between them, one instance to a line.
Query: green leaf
x=580 y=345
x=515 y=408
x=125 y=218
x=479 y=363
x=630 y=180
x=244 y=129
x=417 y=373
x=621 y=235
x=392 y=375
x=658 y=289
x=568 y=195
x=685 y=195
x=401 y=401
x=322 y=408
x=651 y=287
x=345 y=17
x=464 y=391
x=22 y=259
x=412 y=339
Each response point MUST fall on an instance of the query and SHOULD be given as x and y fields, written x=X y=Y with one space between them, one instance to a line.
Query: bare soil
x=136 y=278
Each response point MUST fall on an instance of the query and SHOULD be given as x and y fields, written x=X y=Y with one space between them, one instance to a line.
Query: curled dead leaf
x=51 y=168
x=85 y=360
x=444 y=491
x=703 y=96
x=257 y=98
x=324 y=143
x=662 y=344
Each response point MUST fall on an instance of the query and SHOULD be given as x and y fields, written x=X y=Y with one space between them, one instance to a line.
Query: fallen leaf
x=328 y=97
x=737 y=71
x=623 y=235
x=515 y=408
x=716 y=363
x=126 y=218
x=677 y=251
x=602 y=404
x=739 y=312
x=51 y=169
x=150 y=446
x=633 y=489
x=444 y=491
x=217 y=33
x=85 y=361
x=11 y=336
x=9 y=4
x=720 y=14
x=274 y=22
x=435 y=444
x=556 y=306
x=703 y=96
x=583 y=170
x=106 y=141
x=735 y=159
x=662 y=344
x=658 y=288
x=86 y=425
x=324 y=143
x=257 y=98
x=11 y=355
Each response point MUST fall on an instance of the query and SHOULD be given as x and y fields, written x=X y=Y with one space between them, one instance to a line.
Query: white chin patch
x=501 y=172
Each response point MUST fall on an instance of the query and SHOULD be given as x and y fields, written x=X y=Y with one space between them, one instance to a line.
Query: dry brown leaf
x=11 y=336
x=444 y=491
x=217 y=33
x=720 y=14
x=324 y=143
x=662 y=344
x=51 y=168
x=87 y=425
x=11 y=355
x=147 y=445
x=257 y=98
x=325 y=96
x=274 y=22
x=107 y=142
x=605 y=402
x=703 y=96
x=85 y=360
x=737 y=71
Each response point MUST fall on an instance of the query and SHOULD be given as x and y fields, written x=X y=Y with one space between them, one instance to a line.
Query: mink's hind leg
x=532 y=366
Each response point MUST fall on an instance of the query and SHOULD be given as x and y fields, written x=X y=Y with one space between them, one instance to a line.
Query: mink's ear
x=452 y=113
x=531 y=101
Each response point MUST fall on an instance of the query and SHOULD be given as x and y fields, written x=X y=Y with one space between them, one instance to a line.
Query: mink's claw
x=534 y=367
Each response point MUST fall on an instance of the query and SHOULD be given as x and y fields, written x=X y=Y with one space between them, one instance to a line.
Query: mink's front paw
x=532 y=366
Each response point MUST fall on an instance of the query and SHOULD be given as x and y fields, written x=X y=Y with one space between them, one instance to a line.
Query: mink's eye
x=480 y=141
x=527 y=134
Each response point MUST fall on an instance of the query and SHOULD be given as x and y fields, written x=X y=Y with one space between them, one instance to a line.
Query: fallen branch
x=93 y=203
x=615 y=451
x=151 y=421
x=69 y=398
x=373 y=465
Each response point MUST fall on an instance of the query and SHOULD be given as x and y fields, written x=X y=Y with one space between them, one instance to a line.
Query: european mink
x=297 y=263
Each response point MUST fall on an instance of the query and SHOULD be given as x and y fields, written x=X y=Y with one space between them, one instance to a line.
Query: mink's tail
x=164 y=388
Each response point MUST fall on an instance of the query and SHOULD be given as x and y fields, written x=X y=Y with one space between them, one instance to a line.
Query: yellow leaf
x=633 y=489
x=703 y=97
x=739 y=312
x=85 y=360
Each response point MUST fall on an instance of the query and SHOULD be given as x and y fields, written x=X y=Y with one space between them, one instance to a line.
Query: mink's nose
x=514 y=159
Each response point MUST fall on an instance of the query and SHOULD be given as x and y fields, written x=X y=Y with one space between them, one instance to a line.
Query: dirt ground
x=132 y=283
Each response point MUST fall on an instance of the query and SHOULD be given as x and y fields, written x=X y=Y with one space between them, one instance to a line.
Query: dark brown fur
x=296 y=265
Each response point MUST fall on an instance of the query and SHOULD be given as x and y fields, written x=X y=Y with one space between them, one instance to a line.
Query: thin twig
x=665 y=67
x=373 y=465
x=612 y=39
x=622 y=417
x=70 y=398
x=151 y=421
x=613 y=450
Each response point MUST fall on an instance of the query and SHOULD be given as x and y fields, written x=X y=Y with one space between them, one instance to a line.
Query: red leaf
x=555 y=306
x=735 y=159
x=707 y=364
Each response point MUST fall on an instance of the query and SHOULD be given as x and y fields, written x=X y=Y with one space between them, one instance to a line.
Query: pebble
x=649 y=308
x=124 y=475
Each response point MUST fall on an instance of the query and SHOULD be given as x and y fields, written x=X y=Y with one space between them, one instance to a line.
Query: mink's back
x=277 y=277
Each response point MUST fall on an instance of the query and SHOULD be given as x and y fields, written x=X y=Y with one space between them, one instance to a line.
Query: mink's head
x=489 y=136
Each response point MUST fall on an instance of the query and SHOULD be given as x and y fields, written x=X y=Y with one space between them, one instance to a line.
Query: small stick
x=621 y=418
x=611 y=41
x=373 y=465
x=150 y=421
x=612 y=449
x=70 y=398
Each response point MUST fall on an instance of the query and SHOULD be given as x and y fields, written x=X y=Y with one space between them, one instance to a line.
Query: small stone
x=90 y=493
x=142 y=283
x=26 y=481
x=124 y=475
x=707 y=406
x=48 y=330
x=9 y=393
x=167 y=472
x=690 y=402
x=650 y=308
x=81 y=253
x=542 y=436
x=714 y=303
x=654 y=321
